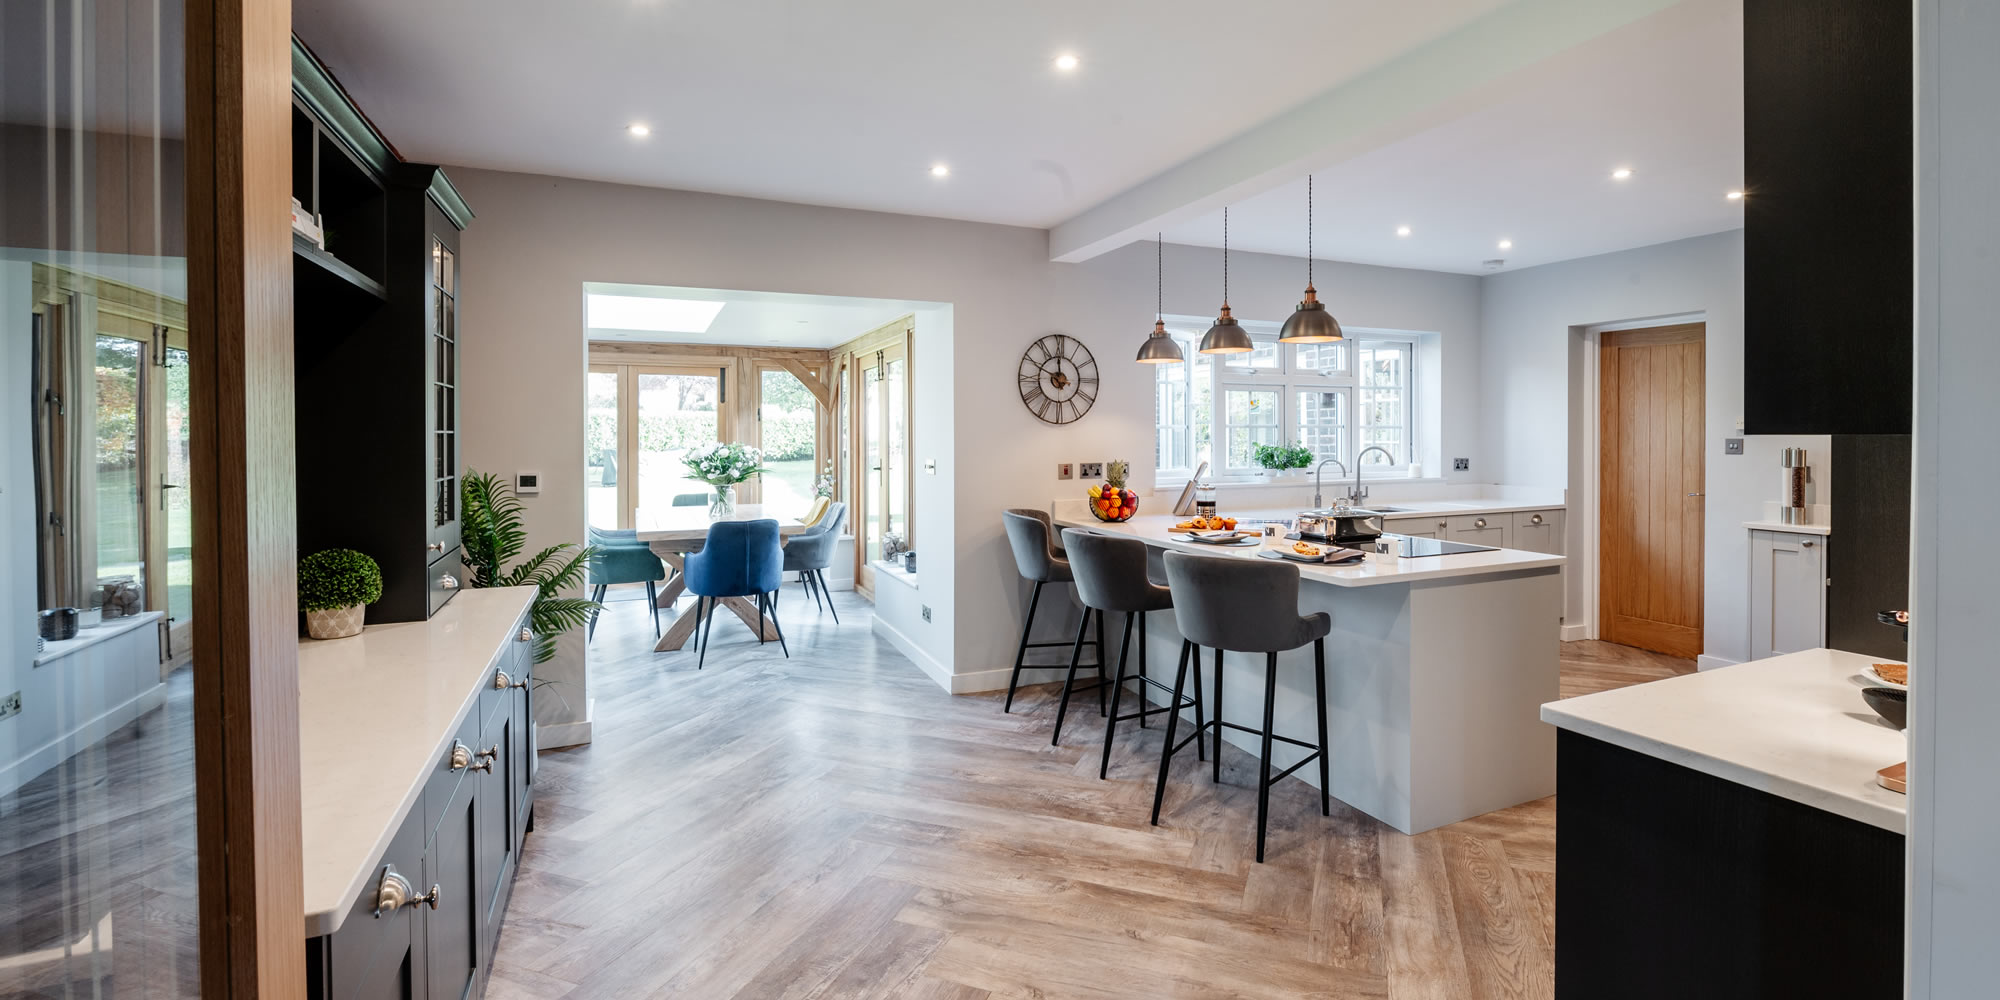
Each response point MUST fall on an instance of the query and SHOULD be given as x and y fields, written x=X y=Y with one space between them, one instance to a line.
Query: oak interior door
x=1651 y=403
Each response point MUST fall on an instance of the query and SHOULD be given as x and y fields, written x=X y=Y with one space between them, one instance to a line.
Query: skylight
x=643 y=312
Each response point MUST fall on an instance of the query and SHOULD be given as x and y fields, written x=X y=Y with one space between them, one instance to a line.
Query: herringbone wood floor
x=834 y=825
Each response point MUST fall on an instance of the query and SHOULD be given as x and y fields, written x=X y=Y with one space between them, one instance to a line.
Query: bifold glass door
x=882 y=481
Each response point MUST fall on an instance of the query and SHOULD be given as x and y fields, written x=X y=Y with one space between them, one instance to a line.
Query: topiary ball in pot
x=335 y=585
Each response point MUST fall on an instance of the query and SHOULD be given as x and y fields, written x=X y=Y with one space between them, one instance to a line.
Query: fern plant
x=491 y=534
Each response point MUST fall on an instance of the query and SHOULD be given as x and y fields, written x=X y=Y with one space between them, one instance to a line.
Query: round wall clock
x=1058 y=378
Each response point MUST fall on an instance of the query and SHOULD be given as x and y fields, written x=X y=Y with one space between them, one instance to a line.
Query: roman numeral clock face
x=1058 y=379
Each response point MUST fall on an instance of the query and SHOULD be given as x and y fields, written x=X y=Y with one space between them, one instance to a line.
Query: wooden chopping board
x=1894 y=777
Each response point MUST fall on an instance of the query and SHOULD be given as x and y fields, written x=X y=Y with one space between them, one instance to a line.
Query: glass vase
x=725 y=503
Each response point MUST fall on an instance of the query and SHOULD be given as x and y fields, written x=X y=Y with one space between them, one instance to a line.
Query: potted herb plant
x=1283 y=461
x=335 y=586
x=723 y=466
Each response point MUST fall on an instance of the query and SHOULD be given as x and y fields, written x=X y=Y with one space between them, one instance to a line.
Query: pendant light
x=1310 y=323
x=1159 y=349
x=1226 y=336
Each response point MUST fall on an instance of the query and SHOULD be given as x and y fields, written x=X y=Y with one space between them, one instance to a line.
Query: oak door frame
x=1586 y=502
x=243 y=486
x=1591 y=580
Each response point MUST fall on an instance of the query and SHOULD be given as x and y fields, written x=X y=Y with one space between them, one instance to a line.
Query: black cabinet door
x=454 y=945
x=1827 y=224
x=495 y=849
x=524 y=743
x=441 y=438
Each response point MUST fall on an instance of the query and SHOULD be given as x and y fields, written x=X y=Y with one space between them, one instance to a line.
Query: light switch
x=930 y=466
x=1064 y=470
x=1732 y=446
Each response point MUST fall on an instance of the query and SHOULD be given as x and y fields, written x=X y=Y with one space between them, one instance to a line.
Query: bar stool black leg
x=1124 y=648
x=1075 y=654
x=1020 y=655
x=1200 y=727
x=1216 y=761
x=1264 y=773
x=1167 y=752
x=1117 y=693
x=1142 y=674
x=1319 y=683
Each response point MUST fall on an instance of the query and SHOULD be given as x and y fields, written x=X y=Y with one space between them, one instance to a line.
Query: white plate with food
x=1895 y=675
x=1225 y=537
x=1307 y=552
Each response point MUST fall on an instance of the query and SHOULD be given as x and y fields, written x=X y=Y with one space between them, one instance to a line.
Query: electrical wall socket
x=927 y=612
x=1090 y=470
x=1461 y=464
x=1064 y=470
x=10 y=705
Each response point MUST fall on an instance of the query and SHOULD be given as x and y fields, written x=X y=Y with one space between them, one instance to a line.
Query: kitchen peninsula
x=1436 y=669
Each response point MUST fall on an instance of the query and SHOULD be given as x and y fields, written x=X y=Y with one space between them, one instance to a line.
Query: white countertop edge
x=1849 y=805
x=1795 y=529
x=326 y=910
x=1457 y=508
x=1370 y=573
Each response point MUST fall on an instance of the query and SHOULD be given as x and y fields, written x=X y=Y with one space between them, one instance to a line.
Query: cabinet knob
x=1480 y=523
x=448 y=582
x=396 y=892
x=435 y=546
x=1441 y=525
x=461 y=756
x=1806 y=544
x=525 y=635
x=486 y=759
x=1537 y=519
x=502 y=682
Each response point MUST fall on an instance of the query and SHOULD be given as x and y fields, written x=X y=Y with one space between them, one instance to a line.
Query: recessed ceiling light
x=638 y=130
x=1402 y=230
x=940 y=170
x=645 y=312
x=1506 y=244
x=1622 y=174
x=1734 y=196
x=1066 y=62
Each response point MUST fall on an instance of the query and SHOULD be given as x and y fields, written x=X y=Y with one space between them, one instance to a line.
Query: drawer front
x=500 y=691
x=1479 y=529
x=1423 y=526
x=1539 y=531
x=447 y=575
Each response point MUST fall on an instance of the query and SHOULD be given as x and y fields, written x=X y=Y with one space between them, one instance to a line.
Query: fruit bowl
x=1113 y=503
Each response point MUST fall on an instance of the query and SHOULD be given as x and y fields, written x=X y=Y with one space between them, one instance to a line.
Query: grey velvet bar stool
x=1111 y=576
x=1247 y=606
x=1031 y=535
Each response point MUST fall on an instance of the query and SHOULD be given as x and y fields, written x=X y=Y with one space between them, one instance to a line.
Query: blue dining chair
x=738 y=559
x=809 y=552
x=693 y=499
x=620 y=557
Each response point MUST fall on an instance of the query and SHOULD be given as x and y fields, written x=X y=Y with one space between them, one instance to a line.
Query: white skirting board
x=1572 y=633
x=924 y=661
x=34 y=763
x=566 y=734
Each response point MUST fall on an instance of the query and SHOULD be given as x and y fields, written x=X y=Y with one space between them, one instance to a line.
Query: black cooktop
x=1418 y=547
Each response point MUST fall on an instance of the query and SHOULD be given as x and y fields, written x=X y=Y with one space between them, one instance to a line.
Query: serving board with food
x=1203 y=524
x=1310 y=552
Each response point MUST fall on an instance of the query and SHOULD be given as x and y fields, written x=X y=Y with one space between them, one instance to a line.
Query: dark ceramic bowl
x=1889 y=703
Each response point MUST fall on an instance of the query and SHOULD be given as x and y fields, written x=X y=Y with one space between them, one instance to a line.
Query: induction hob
x=1419 y=547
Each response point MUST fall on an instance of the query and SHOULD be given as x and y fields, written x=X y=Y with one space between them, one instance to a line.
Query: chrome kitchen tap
x=1317 y=502
x=1354 y=499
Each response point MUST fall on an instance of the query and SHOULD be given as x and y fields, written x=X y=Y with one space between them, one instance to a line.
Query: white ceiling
x=1663 y=96
x=762 y=319
x=850 y=103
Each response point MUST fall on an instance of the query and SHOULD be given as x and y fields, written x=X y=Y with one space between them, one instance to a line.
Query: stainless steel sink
x=1379 y=509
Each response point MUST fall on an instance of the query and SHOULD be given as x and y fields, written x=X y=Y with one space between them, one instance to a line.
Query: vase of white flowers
x=723 y=466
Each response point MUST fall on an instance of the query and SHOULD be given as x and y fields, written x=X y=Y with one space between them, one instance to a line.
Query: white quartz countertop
x=1373 y=571
x=1796 y=529
x=1451 y=508
x=1794 y=726
x=376 y=713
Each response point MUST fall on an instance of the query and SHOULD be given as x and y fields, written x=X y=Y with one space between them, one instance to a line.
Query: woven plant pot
x=338 y=623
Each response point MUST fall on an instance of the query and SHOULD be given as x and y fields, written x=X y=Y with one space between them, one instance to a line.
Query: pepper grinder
x=1797 y=474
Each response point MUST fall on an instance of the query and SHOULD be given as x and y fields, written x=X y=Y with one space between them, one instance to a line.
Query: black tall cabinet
x=376 y=356
x=1827 y=234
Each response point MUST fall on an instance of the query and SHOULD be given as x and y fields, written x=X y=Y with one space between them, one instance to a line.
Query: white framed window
x=1336 y=399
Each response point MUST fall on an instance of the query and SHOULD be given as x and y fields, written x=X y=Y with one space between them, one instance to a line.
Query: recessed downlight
x=639 y=130
x=1622 y=174
x=1734 y=196
x=1402 y=230
x=940 y=170
x=1506 y=244
x=1067 y=62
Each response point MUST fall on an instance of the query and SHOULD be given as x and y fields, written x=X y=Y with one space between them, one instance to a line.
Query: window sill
x=894 y=571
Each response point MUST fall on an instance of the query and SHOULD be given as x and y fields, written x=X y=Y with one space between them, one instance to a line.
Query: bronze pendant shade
x=1159 y=348
x=1226 y=336
x=1310 y=323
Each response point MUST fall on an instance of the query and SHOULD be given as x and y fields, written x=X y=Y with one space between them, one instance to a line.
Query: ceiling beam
x=1425 y=87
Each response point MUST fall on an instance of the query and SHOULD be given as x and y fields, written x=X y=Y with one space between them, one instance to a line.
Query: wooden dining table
x=672 y=533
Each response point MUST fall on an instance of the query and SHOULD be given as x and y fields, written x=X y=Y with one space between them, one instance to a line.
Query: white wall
x=17 y=499
x=535 y=240
x=1954 y=874
x=1533 y=390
